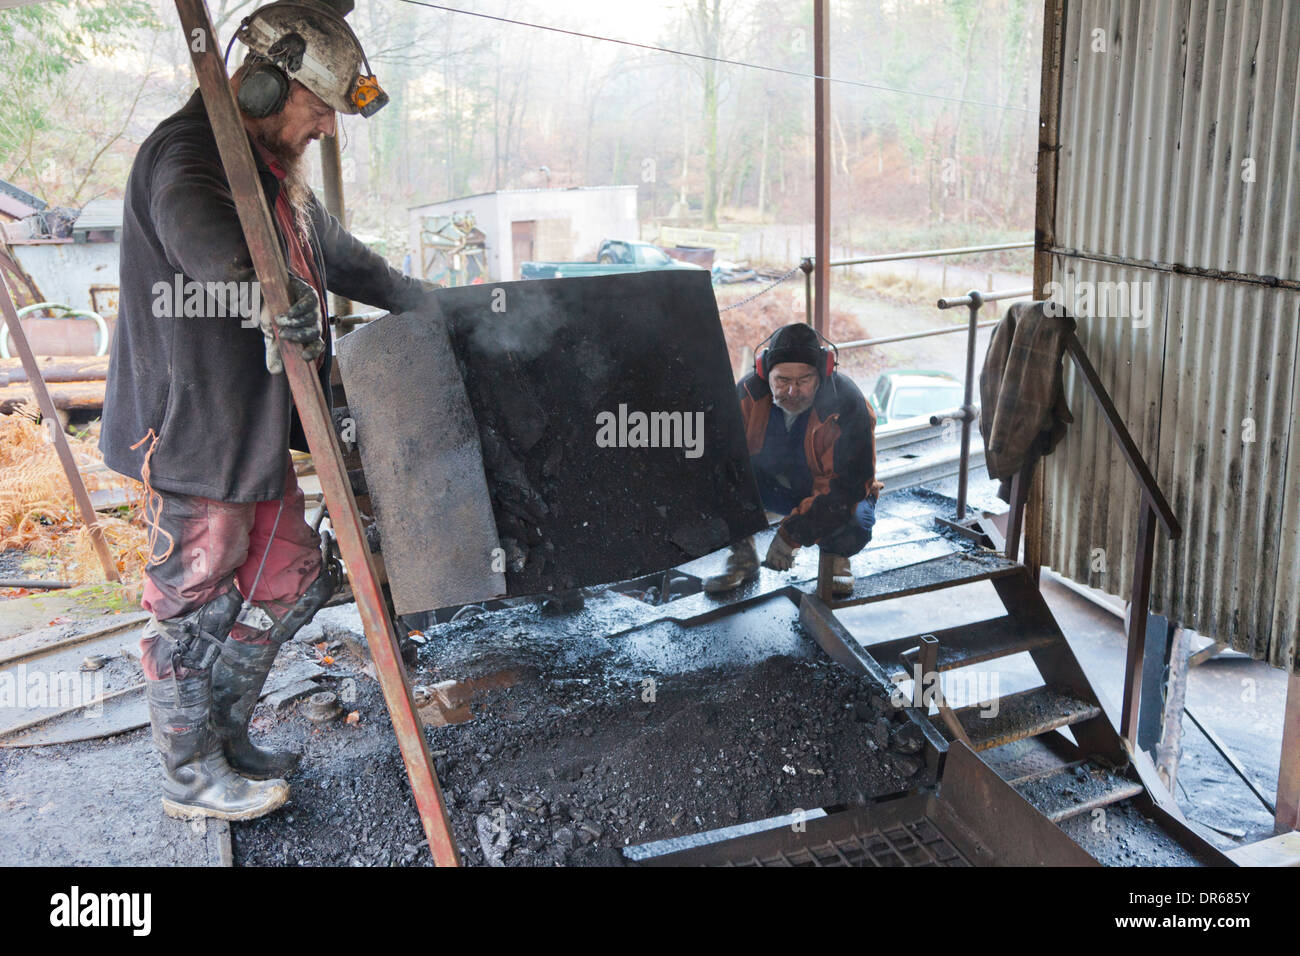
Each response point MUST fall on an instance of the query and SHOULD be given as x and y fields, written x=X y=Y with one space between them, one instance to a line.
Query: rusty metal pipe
x=908 y=336
x=930 y=254
x=963 y=479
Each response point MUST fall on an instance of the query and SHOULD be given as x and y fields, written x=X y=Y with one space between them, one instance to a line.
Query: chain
x=763 y=291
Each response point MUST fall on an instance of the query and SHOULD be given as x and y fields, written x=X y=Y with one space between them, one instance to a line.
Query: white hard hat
x=313 y=44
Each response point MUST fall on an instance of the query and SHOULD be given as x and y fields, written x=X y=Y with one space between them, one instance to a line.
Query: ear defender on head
x=263 y=91
x=823 y=358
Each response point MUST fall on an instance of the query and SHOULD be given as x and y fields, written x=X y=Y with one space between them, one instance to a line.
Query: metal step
x=1026 y=714
x=949 y=571
x=1075 y=788
x=966 y=644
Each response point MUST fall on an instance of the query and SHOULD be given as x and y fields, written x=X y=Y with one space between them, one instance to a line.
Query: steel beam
x=259 y=233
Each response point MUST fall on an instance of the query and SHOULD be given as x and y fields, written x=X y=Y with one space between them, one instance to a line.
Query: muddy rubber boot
x=199 y=782
x=742 y=566
x=237 y=679
x=241 y=669
x=841 y=577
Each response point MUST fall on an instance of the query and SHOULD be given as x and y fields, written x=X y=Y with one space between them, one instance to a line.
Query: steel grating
x=914 y=843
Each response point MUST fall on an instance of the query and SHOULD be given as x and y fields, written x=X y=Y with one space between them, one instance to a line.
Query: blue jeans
x=865 y=514
x=852 y=537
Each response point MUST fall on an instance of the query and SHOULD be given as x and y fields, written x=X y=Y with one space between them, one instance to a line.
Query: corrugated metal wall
x=1180 y=151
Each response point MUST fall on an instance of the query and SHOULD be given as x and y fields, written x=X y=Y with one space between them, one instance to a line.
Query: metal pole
x=931 y=254
x=807 y=267
x=259 y=234
x=822 y=161
x=976 y=300
x=909 y=336
x=331 y=165
x=1137 y=624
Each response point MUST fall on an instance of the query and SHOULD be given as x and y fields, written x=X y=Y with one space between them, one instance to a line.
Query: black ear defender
x=265 y=87
x=263 y=91
x=830 y=356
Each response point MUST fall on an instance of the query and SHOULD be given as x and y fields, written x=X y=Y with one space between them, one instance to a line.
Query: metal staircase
x=1053 y=745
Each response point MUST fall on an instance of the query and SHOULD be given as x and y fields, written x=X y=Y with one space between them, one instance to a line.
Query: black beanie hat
x=795 y=343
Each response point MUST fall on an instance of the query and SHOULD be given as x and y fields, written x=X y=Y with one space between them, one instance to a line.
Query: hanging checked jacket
x=1022 y=395
x=839 y=443
x=224 y=424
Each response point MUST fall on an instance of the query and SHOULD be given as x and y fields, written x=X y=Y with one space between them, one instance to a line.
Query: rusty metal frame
x=51 y=416
x=259 y=233
x=1049 y=145
x=821 y=277
x=1155 y=507
x=929 y=660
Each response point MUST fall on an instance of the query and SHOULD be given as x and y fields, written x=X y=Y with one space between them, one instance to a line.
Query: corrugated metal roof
x=22 y=195
x=1179 y=141
x=99 y=214
x=1179 y=153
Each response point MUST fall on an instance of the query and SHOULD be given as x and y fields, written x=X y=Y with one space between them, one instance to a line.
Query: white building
x=531 y=224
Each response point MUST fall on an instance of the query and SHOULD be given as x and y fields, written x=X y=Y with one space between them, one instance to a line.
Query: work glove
x=301 y=324
x=780 y=553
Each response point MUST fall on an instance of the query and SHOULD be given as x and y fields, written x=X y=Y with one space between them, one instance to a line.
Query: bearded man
x=811 y=438
x=197 y=406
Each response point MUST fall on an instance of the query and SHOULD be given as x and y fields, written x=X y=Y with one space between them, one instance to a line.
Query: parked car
x=613 y=256
x=908 y=396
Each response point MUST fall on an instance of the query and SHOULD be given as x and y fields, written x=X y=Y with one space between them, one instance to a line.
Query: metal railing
x=974 y=301
x=808 y=263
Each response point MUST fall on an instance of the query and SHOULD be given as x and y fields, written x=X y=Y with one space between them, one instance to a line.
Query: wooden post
x=259 y=233
x=51 y=420
x=1170 y=749
x=1288 y=775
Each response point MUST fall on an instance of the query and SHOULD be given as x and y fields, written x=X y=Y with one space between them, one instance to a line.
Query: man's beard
x=795 y=407
x=294 y=185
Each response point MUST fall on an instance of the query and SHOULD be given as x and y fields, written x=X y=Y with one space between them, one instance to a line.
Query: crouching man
x=811 y=439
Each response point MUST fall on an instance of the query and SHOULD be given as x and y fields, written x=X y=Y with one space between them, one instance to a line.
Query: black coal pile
x=573 y=775
x=597 y=745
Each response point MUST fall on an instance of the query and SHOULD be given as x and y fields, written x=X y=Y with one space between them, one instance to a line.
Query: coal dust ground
x=597 y=745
